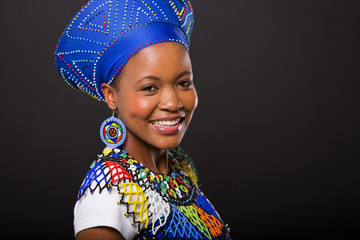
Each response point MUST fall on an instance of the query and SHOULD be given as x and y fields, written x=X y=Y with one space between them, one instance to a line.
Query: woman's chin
x=167 y=142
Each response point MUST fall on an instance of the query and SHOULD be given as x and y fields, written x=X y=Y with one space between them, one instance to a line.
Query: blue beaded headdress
x=105 y=34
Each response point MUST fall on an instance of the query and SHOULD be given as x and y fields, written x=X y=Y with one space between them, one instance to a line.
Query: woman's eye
x=149 y=89
x=185 y=83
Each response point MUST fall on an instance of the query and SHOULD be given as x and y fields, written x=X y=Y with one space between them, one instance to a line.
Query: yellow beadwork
x=107 y=151
x=190 y=173
x=133 y=195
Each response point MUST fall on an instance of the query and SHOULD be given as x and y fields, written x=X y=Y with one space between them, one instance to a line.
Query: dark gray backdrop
x=275 y=137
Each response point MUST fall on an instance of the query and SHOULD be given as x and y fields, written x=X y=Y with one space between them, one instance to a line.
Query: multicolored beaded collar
x=164 y=206
x=177 y=184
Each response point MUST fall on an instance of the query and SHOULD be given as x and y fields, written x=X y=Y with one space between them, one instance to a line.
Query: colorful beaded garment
x=162 y=206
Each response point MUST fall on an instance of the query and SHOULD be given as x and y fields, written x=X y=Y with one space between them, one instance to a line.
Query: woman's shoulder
x=104 y=173
x=111 y=196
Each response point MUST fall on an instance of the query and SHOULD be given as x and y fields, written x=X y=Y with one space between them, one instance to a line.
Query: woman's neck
x=153 y=158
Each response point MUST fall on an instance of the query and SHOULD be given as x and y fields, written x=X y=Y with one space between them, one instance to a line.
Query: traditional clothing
x=119 y=192
x=105 y=34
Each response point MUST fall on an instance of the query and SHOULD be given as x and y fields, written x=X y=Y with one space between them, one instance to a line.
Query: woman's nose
x=170 y=100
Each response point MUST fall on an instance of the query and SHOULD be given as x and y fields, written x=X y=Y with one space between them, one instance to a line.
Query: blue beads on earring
x=113 y=132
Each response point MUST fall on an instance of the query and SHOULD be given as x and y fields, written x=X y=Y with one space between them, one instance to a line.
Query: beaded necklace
x=164 y=206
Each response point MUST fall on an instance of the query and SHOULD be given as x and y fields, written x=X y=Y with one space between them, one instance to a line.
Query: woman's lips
x=167 y=125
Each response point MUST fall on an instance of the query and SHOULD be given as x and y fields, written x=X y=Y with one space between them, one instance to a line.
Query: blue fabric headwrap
x=104 y=35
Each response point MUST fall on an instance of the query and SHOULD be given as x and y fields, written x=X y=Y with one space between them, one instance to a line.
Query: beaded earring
x=113 y=131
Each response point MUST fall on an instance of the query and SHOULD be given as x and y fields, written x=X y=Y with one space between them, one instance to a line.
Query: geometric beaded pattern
x=136 y=202
x=100 y=24
x=164 y=206
x=160 y=210
x=180 y=226
x=211 y=223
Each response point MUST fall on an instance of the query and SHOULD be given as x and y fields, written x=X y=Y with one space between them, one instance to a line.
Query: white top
x=102 y=209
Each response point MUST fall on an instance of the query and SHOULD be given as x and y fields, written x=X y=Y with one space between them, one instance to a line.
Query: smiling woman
x=157 y=109
x=143 y=185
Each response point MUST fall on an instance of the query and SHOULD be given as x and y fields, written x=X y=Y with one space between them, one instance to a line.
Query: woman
x=134 y=56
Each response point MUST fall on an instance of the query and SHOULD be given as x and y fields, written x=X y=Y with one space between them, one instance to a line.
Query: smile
x=167 y=126
x=166 y=123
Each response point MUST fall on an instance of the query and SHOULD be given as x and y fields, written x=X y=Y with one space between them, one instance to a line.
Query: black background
x=275 y=137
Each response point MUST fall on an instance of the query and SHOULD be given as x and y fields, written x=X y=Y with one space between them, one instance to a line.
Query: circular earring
x=113 y=131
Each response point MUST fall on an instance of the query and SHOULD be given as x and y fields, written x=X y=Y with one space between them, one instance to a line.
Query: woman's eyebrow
x=148 y=77
x=183 y=74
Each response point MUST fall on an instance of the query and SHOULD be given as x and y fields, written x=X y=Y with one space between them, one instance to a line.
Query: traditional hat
x=105 y=34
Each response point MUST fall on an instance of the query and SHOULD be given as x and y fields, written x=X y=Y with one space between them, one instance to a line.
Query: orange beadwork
x=213 y=224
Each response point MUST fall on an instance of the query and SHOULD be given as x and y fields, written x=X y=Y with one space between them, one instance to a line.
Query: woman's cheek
x=142 y=107
x=191 y=101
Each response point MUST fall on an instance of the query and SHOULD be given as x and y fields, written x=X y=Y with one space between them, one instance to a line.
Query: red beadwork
x=117 y=172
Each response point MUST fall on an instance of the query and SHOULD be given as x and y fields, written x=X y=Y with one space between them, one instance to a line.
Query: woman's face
x=155 y=96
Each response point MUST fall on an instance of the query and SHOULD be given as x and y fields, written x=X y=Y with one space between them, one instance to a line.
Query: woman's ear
x=109 y=94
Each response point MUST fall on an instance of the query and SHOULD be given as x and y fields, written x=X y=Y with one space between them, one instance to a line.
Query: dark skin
x=156 y=84
x=99 y=233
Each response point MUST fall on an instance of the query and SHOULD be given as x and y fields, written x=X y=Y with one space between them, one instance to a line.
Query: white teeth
x=166 y=123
